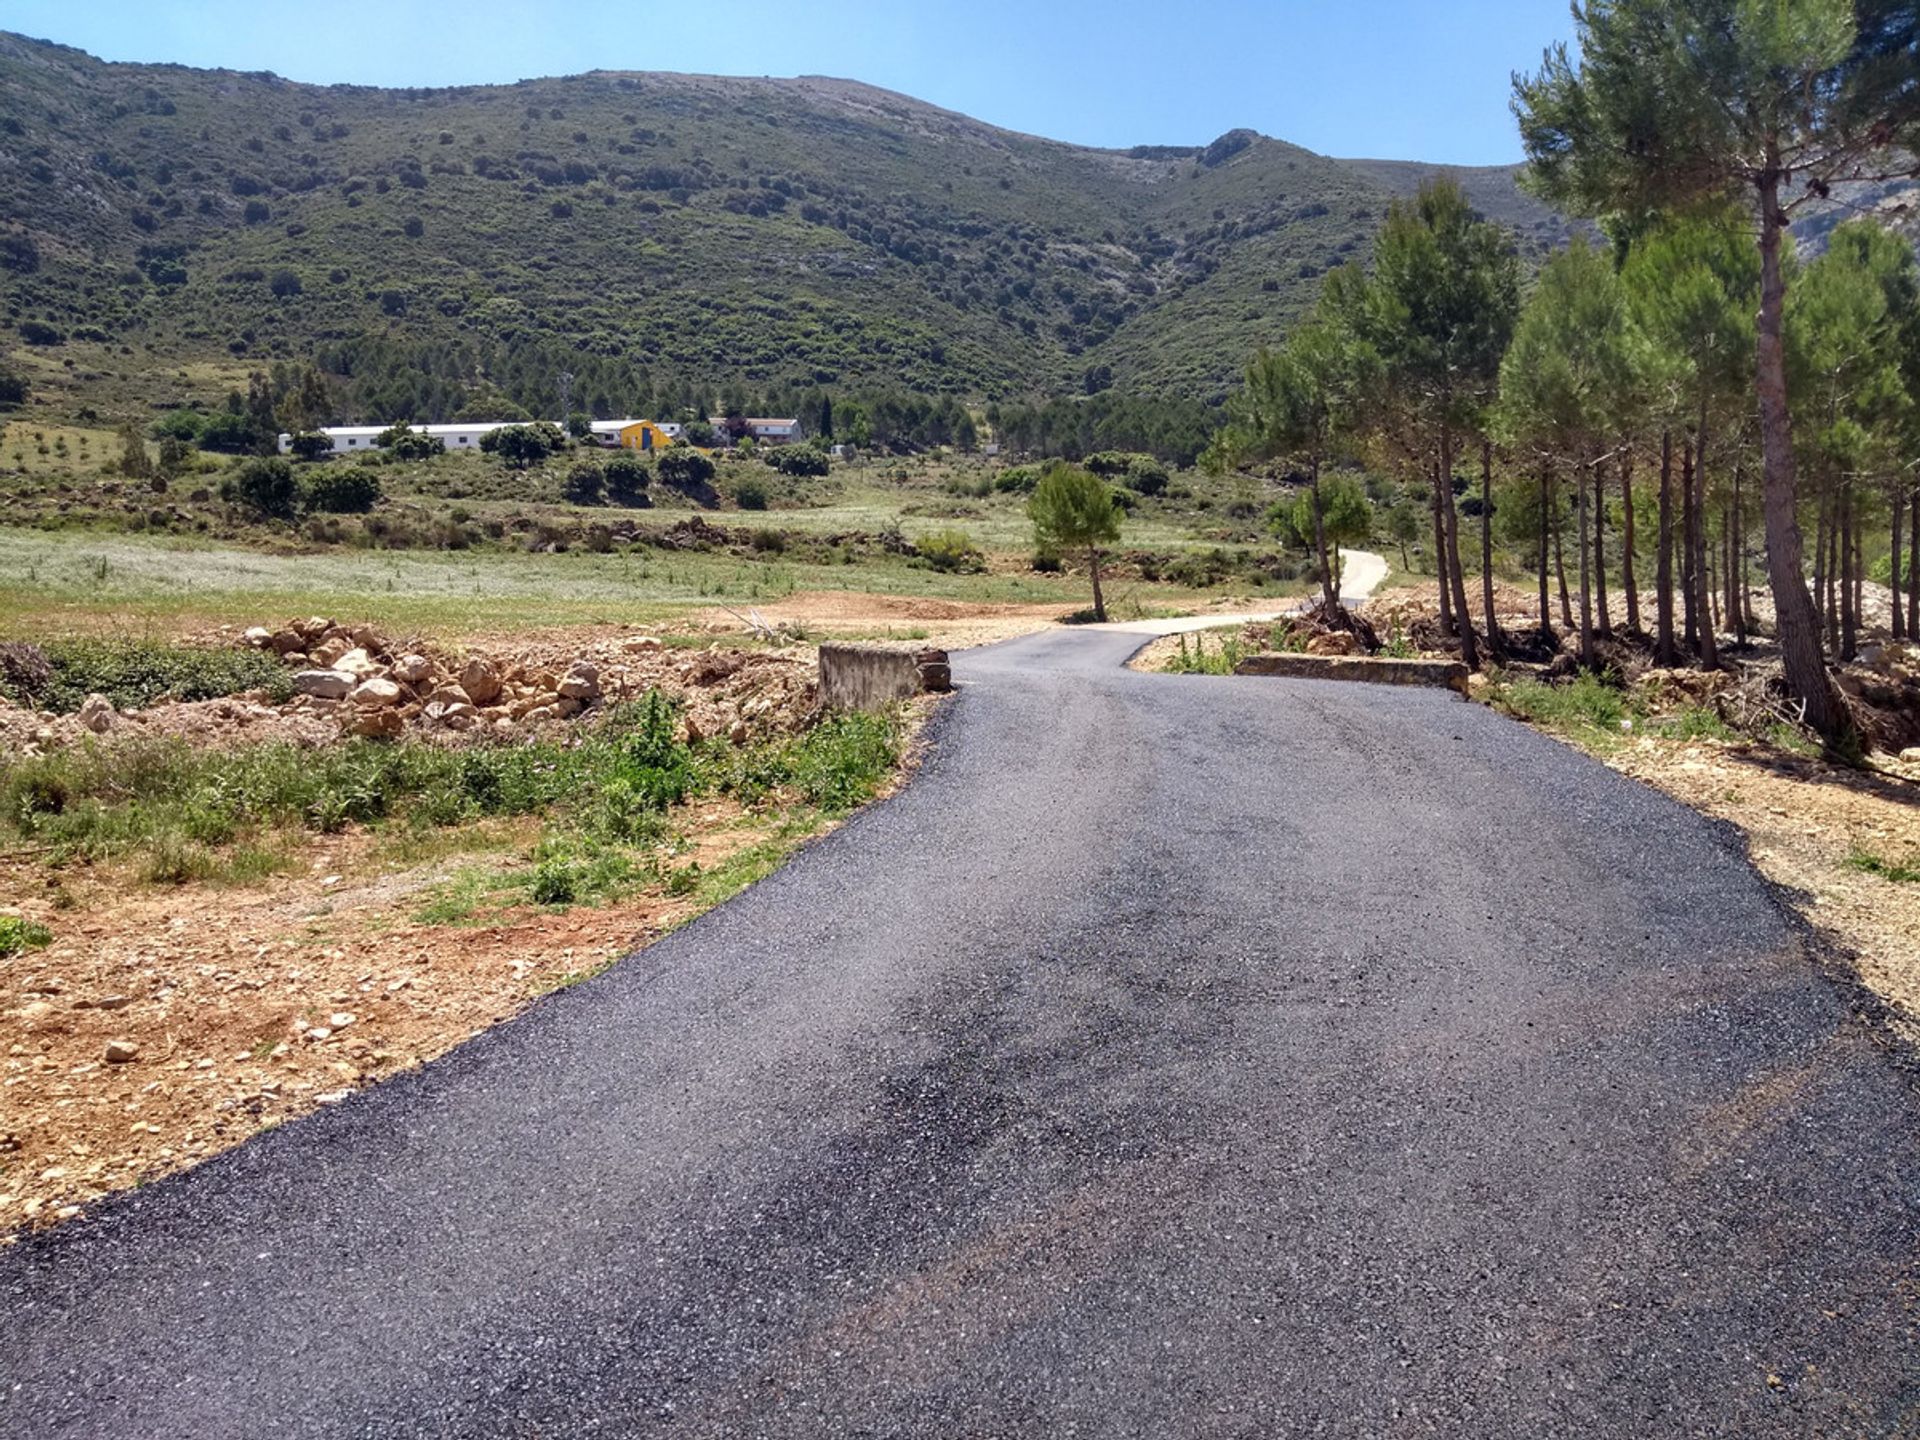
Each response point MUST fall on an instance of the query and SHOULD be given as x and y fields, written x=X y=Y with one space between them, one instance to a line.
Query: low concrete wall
x=871 y=677
x=1373 y=669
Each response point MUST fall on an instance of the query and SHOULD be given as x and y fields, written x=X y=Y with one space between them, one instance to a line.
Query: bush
x=310 y=445
x=950 y=551
x=750 y=494
x=585 y=484
x=264 y=485
x=135 y=673
x=415 y=446
x=1017 y=480
x=627 y=479
x=1147 y=476
x=798 y=460
x=343 y=490
x=25 y=671
x=284 y=284
x=685 y=469
x=38 y=332
x=523 y=445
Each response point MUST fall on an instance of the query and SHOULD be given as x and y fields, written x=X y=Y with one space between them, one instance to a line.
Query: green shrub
x=135 y=673
x=950 y=551
x=311 y=445
x=627 y=478
x=342 y=490
x=556 y=881
x=586 y=484
x=411 y=445
x=265 y=485
x=1017 y=480
x=685 y=469
x=17 y=934
x=1147 y=475
x=750 y=494
x=798 y=460
x=841 y=761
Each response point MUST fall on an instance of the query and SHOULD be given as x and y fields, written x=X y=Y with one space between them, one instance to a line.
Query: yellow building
x=647 y=435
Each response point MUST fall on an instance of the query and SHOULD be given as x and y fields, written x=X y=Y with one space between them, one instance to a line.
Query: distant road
x=1173 y=1057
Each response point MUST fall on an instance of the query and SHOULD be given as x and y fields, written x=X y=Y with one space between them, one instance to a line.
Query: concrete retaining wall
x=871 y=677
x=1373 y=669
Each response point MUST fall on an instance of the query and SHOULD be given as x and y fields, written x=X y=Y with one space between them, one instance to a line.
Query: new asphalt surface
x=1173 y=1057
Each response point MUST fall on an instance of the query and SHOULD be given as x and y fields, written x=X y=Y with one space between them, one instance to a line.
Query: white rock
x=97 y=714
x=481 y=680
x=376 y=694
x=357 y=663
x=258 y=636
x=412 y=669
x=324 y=684
x=120 y=1052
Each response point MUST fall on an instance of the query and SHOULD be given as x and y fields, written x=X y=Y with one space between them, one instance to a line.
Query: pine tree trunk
x=1581 y=505
x=1728 y=580
x=1703 y=564
x=1849 y=626
x=1893 y=575
x=1821 y=513
x=1440 y=559
x=1913 y=566
x=1627 y=580
x=1560 y=573
x=1603 y=613
x=1099 y=601
x=1737 y=562
x=1327 y=593
x=1688 y=591
x=1494 y=641
x=1832 y=599
x=1546 y=543
x=1469 y=647
x=1663 y=564
x=1806 y=671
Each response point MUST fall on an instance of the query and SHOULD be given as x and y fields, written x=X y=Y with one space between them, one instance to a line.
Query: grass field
x=53 y=582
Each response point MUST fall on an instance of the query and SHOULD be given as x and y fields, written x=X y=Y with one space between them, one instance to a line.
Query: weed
x=17 y=935
x=1902 y=872
x=1199 y=660
x=1588 y=701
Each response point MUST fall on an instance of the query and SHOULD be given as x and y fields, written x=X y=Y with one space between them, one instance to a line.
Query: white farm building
x=352 y=439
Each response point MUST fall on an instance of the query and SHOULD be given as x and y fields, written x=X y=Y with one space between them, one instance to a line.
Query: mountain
x=176 y=227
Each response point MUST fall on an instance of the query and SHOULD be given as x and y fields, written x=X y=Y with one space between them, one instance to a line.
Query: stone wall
x=1373 y=669
x=871 y=677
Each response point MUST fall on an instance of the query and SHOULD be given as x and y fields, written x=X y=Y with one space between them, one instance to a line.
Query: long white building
x=352 y=439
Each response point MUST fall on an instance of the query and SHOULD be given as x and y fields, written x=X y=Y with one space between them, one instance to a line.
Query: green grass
x=1901 y=872
x=17 y=935
x=52 y=582
x=1587 y=703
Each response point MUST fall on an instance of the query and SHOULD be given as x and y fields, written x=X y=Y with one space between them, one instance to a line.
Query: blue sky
x=1395 y=79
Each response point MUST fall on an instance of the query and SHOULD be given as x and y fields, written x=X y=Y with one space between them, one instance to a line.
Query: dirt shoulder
x=152 y=1024
x=1823 y=833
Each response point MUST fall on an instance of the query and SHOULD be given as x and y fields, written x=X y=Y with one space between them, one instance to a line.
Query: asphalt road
x=1175 y=1056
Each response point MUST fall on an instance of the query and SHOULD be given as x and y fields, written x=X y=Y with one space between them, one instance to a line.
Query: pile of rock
x=355 y=675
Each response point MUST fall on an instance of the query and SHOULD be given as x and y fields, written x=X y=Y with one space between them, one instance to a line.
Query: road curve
x=1173 y=1057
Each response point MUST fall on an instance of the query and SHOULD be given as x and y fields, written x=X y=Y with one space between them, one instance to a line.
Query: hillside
x=1494 y=189
x=177 y=227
